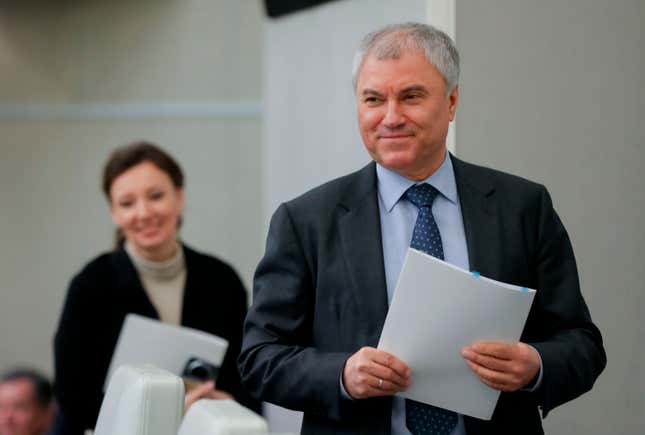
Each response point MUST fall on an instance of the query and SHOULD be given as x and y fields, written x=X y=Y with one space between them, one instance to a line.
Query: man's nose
x=393 y=116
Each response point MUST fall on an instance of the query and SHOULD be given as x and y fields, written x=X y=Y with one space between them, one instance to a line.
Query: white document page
x=148 y=341
x=437 y=309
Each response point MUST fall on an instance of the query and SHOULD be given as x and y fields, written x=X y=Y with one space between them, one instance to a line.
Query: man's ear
x=453 y=100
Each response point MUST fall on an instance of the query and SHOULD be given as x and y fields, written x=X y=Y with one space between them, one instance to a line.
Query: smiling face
x=146 y=206
x=404 y=113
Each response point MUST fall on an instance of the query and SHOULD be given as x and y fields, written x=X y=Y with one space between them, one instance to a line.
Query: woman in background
x=150 y=273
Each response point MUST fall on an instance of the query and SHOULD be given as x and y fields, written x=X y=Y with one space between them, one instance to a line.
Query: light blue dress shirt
x=398 y=217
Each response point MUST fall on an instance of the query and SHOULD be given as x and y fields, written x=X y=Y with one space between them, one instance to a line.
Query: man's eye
x=156 y=195
x=125 y=204
x=371 y=100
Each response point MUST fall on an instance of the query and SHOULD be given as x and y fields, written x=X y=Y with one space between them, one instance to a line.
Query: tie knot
x=421 y=195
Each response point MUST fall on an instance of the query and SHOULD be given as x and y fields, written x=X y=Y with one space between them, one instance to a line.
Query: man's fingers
x=511 y=366
x=496 y=386
x=491 y=375
x=494 y=349
x=383 y=365
x=387 y=374
x=385 y=387
x=498 y=380
x=491 y=362
x=371 y=372
x=390 y=361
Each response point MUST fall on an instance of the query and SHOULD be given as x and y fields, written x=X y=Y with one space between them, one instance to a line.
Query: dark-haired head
x=26 y=403
x=41 y=385
x=128 y=156
x=135 y=155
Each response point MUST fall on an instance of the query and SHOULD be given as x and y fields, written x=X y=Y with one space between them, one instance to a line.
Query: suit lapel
x=481 y=224
x=360 y=233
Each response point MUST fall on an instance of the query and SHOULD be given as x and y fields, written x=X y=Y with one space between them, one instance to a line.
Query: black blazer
x=320 y=295
x=98 y=300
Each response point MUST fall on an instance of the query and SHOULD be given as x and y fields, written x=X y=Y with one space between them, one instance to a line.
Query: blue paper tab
x=476 y=274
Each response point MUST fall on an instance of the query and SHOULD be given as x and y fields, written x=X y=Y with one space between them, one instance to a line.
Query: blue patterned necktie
x=420 y=418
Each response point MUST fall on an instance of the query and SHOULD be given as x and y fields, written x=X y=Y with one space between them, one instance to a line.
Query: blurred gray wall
x=555 y=91
x=80 y=77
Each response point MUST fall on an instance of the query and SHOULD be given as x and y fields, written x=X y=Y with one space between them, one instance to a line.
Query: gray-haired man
x=333 y=257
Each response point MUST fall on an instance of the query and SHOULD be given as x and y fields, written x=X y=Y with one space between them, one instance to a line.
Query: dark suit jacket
x=98 y=300
x=319 y=296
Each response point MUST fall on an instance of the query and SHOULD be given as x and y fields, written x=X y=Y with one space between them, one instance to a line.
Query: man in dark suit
x=333 y=257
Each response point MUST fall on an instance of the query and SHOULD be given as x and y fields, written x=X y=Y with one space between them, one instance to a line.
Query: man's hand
x=205 y=390
x=503 y=366
x=371 y=372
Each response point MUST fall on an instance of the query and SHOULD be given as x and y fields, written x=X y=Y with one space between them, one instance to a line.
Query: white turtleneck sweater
x=164 y=283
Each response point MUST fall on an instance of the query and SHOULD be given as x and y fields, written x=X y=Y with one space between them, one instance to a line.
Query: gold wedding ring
x=380 y=383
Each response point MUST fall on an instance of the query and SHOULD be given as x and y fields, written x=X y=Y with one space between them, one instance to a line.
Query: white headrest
x=221 y=417
x=141 y=400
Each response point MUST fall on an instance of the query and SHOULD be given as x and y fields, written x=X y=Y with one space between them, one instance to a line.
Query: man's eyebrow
x=414 y=88
x=369 y=91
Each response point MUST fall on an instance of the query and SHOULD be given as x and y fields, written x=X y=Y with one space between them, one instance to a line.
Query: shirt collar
x=392 y=186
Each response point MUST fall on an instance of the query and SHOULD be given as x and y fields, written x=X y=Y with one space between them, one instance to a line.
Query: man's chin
x=398 y=164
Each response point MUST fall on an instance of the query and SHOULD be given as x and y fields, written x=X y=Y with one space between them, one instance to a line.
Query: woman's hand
x=205 y=390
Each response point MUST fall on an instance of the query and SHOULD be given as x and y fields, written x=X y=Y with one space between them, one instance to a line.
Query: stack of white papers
x=436 y=311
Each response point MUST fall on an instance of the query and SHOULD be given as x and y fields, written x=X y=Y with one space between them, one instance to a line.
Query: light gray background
x=553 y=91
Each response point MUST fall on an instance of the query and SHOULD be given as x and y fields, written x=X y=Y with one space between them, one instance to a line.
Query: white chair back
x=141 y=400
x=221 y=417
